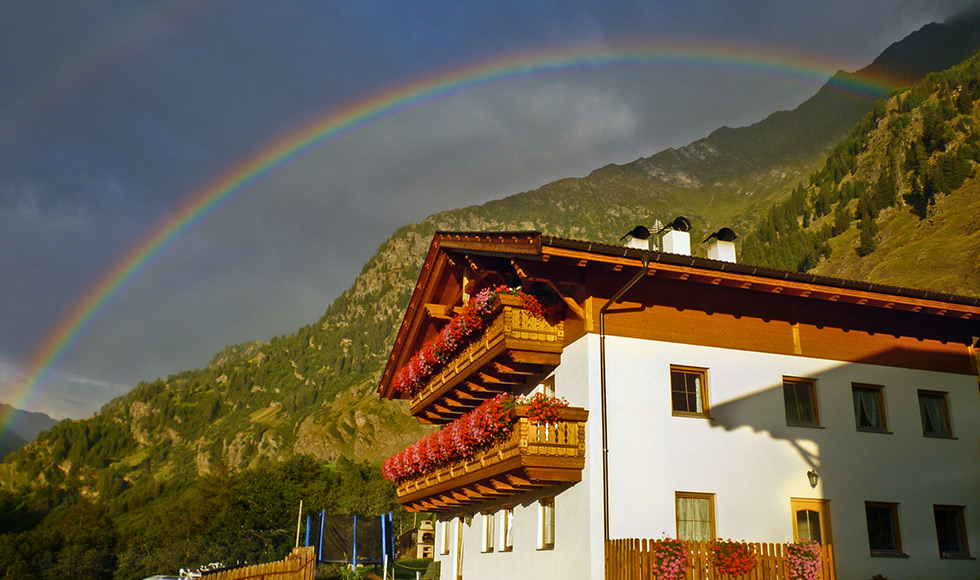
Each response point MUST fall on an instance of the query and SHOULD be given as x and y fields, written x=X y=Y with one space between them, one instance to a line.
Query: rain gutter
x=602 y=390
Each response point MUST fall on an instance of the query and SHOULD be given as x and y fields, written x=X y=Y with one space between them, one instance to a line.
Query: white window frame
x=507 y=529
x=458 y=556
x=444 y=546
x=488 y=523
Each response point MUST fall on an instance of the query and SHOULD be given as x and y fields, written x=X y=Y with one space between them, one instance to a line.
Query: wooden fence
x=299 y=565
x=632 y=559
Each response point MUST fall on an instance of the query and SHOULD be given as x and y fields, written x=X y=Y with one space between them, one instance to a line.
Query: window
x=488 y=521
x=444 y=548
x=800 y=399
x=688 y=391
x=869 y=407
x=547 y=523
x=951 y=531
x=695 y=516
x=808 y=526
x=458 y=559
x=548 y=386
x=934 y=411
x=507 y=530
x=884 y=538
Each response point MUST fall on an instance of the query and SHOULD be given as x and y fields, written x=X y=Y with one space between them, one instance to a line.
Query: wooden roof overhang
x=571 y=268
x=767 y=280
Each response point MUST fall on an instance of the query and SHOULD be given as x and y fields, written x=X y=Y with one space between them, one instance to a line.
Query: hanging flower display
x=473 y=432
x=671 y=558
x=454 y=336
x=734 y=558
x=803 y=560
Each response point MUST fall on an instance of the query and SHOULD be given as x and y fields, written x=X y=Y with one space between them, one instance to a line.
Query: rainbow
x=357 y=115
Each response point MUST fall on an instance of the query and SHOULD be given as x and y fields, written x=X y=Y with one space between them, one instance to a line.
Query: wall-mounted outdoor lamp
x=814 y=477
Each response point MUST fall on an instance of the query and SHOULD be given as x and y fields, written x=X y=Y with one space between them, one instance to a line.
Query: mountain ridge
x=21 y=427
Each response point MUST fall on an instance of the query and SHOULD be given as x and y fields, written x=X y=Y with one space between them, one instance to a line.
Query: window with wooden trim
x=688 y=391
x=507 y=530
x=800 y=401
x=695 y=513
x=869 y=407
x=884 y=537
x=951 y=531
x=934 y=412
x=547 y=514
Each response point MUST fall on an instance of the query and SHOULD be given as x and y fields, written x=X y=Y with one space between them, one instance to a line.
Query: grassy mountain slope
x=896 y=201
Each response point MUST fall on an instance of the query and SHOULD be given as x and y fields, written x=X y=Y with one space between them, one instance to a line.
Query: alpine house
x=591 y=392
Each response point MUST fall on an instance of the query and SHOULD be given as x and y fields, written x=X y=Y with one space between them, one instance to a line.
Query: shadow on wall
x=864 y=433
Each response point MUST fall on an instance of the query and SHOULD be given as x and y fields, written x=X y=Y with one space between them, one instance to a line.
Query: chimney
x=638 y=243
x=722 y=250
x=677 y=242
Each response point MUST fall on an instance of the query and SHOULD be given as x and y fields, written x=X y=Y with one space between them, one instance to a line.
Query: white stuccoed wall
x=749 y=458
x=754 y=463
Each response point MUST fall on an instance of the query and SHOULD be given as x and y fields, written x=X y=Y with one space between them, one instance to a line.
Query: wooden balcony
x=535 y=455
x=515 y=349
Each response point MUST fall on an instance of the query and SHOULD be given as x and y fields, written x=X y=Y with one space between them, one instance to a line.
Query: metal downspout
x=602 y=391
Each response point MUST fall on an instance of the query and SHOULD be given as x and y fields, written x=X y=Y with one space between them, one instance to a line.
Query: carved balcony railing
x=534 y=455
x=514 y=348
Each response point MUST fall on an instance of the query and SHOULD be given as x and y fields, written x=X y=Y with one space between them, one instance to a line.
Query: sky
x=317 y=129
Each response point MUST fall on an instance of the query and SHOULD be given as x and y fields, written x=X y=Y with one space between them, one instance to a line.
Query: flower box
x=532 y=455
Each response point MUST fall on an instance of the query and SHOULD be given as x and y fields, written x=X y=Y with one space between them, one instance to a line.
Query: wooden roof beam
x=521 y=482
x=492 y=378
x=439 y=311
x=534 y=357
x=503 y=486
x=469 y=398
x=474 y=494
x=515 y=368
x=450 y=500
x=443 y=411
x=487 y=491
x=462 y=499
x=454 y=402
x=475 y=397
x=489 y=390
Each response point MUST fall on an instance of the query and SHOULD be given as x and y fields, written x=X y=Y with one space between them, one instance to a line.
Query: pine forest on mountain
x=212 y=463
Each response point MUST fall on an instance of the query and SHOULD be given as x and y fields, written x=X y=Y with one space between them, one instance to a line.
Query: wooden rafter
x=515 y=368
x=488 y=377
